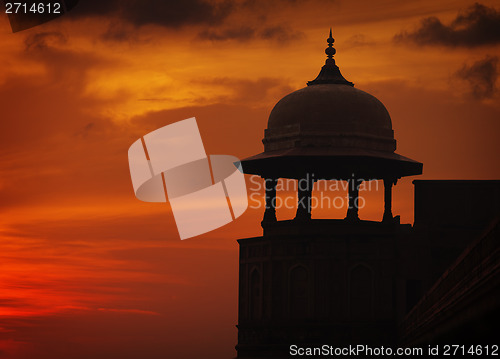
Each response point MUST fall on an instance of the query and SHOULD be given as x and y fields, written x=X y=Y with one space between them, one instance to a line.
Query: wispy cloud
x=481 y=76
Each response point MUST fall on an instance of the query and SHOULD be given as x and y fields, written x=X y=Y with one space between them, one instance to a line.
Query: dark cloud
x=175 y=14
x=481 y=77
x=358 y=40
x=158 y=12
x=477 y=25
x=279 y=33
x=255 y=4
x=235 y=33
x=51 y=50
x=42 y=41
x=85 y=131
x=117 y=32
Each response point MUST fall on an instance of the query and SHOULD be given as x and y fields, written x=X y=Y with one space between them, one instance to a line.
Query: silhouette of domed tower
x=315 y=281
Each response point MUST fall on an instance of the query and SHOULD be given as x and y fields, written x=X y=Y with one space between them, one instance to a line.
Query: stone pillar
x=388 y=217
x=305 y=186
x=270 y=213
x=352 y=210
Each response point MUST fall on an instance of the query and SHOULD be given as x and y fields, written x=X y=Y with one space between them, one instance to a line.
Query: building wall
x=334 y=282
x=323 y=288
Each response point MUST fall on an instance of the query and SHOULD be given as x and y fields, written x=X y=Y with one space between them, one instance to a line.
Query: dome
x=329 y=115
x=332 y=130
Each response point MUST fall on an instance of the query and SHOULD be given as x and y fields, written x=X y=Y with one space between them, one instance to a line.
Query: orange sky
x=88 y=271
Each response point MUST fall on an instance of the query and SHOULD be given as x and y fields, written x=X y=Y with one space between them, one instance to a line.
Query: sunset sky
x=89 y=271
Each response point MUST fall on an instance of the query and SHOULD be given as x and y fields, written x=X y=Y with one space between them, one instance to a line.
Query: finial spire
x=330 y=73
x=330 y=50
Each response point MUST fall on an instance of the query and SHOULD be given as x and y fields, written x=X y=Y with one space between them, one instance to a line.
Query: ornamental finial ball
x=330 y=39
x=330 y=51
